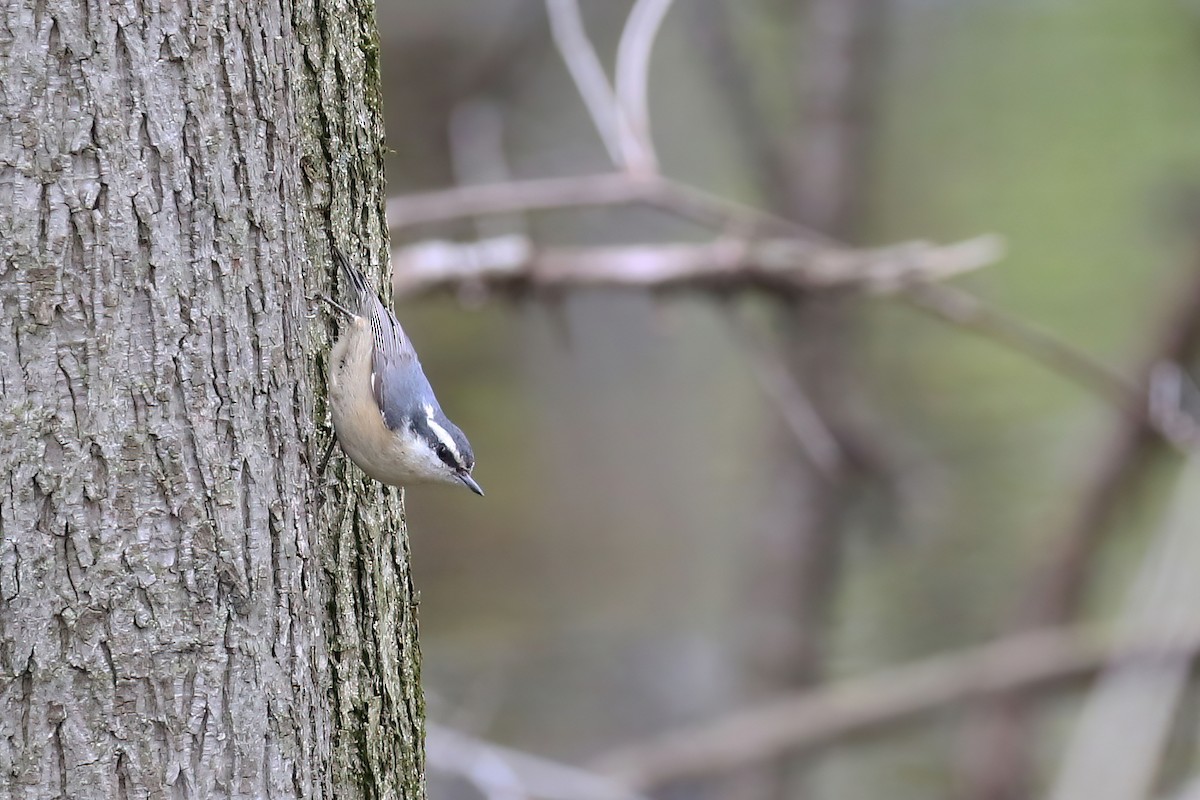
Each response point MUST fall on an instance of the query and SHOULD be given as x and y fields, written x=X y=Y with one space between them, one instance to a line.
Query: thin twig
x=784 y=266
x=603 y=189
x=633 y=80
x=1177 y=426
x=968 y=312
x=805 y=721
x=571 y=39
x=798 y=413
x=727 y=216
x=545 y=194
x=950 y=304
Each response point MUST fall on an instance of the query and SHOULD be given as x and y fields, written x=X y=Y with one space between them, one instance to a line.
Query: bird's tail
x=358 y=281
x=384 y=327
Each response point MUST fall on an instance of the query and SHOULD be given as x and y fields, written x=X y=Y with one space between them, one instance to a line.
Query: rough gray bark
x=186 y=609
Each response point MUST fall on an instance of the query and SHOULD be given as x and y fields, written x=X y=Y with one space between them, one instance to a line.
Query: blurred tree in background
x=664 y=541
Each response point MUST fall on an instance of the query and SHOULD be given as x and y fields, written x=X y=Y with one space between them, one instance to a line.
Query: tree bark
x=186 y=608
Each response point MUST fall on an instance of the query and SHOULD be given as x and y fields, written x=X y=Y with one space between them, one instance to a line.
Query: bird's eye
x=442 y=451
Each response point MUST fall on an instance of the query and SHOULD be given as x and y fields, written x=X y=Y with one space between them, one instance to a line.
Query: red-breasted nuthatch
x=385 y=414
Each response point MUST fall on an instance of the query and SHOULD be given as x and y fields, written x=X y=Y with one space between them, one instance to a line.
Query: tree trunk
x=186 y=608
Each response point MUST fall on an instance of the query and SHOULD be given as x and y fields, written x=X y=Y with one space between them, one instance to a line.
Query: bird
x=385 y=414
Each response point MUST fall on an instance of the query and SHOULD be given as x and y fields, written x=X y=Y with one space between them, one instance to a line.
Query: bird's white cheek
x=421 y=464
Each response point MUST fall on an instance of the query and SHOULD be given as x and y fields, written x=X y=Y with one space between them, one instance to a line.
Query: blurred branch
x=759 y=135
x=1057 y=592
x=571 y=39
x=805 y=721
x=633 y=80
x=604 y=189
x=839 y=73
x=1122 y=733
x=968 y=312
x=799 y=414
x=500 y=773
x=446 y=205
x=952 y=305
x=998 y=754
x=645 y=186
x=621 y=117
x=1174 y=425
x=781 y=265
x=804 y=260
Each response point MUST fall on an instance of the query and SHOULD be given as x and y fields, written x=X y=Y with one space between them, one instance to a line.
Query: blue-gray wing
x=397 y=380
x=401 y=389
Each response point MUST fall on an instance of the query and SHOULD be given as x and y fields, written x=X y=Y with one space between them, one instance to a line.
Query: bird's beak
x=470 y=483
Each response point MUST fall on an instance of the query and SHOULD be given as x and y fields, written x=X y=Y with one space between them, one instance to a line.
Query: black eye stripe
x=445 y=454
x=462 y=460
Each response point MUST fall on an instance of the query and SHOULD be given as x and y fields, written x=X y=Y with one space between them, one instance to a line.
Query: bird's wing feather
x=397 y=380
x=402 y=391
x=396 y=376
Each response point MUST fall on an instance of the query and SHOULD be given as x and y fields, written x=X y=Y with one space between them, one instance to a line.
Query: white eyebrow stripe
x=442 y=434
